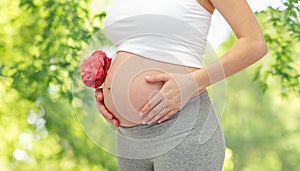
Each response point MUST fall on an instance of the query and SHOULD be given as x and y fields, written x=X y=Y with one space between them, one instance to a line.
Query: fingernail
x=147 y=77
x=141 y=114
x=110 y=117
x=149 y=123
x=159 y=122
x=143 y=122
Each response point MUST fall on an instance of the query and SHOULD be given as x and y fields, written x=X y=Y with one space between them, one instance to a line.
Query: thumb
x=99 y=94
x=157 y=78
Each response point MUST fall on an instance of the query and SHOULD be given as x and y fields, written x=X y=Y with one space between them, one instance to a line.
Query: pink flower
x=94 y=69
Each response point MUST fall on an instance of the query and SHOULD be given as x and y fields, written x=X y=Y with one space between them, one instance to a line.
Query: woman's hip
x=197 y=118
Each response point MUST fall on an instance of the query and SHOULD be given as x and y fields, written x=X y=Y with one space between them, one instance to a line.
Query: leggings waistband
x=190 y=120
x=156 y=129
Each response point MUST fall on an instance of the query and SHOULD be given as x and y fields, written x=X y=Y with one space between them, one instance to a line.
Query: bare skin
x=249 y=48
x=125 y=90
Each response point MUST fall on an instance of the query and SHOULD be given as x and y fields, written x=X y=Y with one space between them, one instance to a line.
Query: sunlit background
x=41 y=44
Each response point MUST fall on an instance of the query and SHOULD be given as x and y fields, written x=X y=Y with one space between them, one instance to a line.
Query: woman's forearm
x=243 y=53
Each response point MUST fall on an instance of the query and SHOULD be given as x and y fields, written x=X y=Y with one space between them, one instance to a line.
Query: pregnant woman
x=155 y=91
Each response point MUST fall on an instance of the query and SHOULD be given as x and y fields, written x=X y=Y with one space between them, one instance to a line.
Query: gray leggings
x=192 y=139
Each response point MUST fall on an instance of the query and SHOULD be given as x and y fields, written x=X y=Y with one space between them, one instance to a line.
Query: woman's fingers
x=157 y=110
x=106 y=114
x=100 y=105
x=155 y=98
x=102 y=109
x=167 y=116
x=115 y=122
x=99 y=94
x=157 y=78
x=158 y=115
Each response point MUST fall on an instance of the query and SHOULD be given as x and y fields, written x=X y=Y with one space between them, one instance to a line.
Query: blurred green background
x=41 y=43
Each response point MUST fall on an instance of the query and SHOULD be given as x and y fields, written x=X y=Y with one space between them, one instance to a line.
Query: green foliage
x=40 y=48
x=53 y=35
x=282 y=33
x=261 y=129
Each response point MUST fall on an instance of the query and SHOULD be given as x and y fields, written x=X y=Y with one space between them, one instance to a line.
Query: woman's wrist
x=202 y=79
x=209 y=75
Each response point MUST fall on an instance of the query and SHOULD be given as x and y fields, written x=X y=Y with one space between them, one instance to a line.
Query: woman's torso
x=125 y=89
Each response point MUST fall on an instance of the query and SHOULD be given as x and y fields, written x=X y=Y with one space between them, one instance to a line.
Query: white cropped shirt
x=172 y=31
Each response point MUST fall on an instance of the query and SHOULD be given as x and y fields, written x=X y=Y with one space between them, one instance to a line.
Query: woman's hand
x=176 y=91
x=103 y=110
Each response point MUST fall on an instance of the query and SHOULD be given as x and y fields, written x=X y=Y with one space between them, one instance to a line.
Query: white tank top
x=172 y=31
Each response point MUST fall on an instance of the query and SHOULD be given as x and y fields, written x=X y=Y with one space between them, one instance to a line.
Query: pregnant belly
x=125 y=89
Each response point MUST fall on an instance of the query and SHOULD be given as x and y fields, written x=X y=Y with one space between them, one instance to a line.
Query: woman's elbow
x=261 y=48
x=258 y=48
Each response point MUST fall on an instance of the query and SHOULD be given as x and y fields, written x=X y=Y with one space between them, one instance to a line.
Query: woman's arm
x=249 y=48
